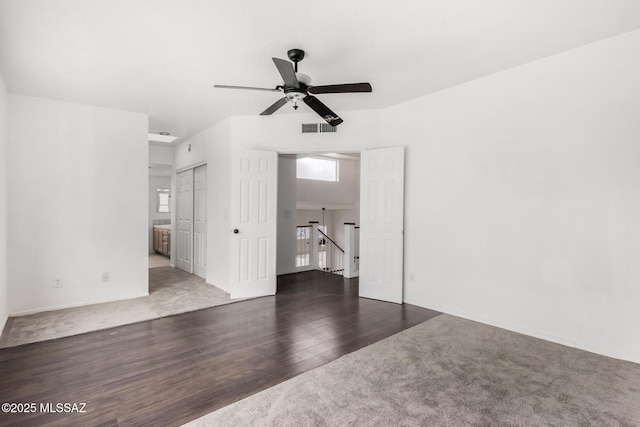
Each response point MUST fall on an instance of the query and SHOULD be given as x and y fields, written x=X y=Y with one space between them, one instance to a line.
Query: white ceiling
x=162 y=57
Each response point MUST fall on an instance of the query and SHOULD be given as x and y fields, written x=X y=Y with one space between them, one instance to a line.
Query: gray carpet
x=156 y=260
x=171 y=291
x=450 y=372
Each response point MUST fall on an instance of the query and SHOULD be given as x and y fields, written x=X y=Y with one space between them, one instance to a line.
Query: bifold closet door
x=200 y=222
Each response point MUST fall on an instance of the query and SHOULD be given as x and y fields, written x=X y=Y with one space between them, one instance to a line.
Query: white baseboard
x=62 y=307
x=295 y=270
x=225 y=288
x=558 y=339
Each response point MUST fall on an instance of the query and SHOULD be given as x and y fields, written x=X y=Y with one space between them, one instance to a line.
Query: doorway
x=191 y=218
x=259 y=218
x=159 y=224
x=380 y=197
x=327 y=195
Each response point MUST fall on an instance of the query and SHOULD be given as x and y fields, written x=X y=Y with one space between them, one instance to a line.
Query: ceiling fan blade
x=287 y=72
x=324 y=111
x=245 y=87
x=343 y=88
x=274 y=107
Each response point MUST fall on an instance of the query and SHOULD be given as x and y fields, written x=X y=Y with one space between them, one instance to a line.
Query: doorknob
x=235 y=231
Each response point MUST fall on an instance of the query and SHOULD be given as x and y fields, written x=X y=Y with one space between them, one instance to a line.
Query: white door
x=254 y=178
x=184 y=214
x=200 y=222
x=382 y=223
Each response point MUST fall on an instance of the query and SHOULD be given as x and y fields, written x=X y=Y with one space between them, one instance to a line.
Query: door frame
x=345 y=150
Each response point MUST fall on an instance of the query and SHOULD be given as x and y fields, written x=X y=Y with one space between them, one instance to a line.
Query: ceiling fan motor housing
x=295 y=55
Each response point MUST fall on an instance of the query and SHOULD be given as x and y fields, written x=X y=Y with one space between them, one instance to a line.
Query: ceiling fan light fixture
x=295 y=95
x=304 y=79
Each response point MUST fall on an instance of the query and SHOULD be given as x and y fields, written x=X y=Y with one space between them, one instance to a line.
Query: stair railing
x=330 y=255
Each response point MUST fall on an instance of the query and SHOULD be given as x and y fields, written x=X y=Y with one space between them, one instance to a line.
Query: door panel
x=184 y=215
x=253 y=214
x=200 y=222
x=381 y=228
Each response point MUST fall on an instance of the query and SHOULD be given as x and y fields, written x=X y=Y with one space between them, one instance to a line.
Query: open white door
x=184 y=214
x=254 y=178
x=382 y=223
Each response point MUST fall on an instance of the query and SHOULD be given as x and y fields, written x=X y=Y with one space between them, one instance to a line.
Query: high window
x=317 y=169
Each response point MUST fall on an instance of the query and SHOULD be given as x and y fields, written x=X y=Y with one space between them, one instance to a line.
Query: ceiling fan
x=297 y=87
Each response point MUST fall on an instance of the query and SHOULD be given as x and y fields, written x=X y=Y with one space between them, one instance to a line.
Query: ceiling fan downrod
x=295 y=56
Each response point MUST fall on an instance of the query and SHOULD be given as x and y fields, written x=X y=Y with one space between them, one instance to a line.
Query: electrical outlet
x=57 y=282
x=105 y=277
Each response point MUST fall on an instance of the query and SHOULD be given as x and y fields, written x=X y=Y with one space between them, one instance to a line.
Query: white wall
x=282 y=133
x=523 y=198
x=160 y=155
x=345 y=191
x=4 y=292
x=155 y=183
x=287 y=215
x=77 y=204
x=307 y=215
x=340 y=216
x=212 y=146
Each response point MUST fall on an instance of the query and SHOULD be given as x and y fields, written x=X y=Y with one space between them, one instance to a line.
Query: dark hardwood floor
x=168 y=371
